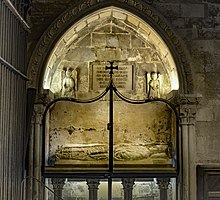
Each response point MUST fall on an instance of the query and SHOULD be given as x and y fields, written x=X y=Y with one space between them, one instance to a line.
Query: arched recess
x=57 y=35
x=144 y=11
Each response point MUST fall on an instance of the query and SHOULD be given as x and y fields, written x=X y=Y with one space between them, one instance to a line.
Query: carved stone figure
x=154 y=86
x=69 y=82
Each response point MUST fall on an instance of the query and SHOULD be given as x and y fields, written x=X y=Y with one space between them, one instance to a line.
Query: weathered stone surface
x=74 y=138
x=192 y=10
x=80 y=54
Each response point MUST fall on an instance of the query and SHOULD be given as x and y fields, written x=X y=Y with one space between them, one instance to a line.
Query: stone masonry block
x=98 y=39
x=133 y=20
x=69 y=35
x=119 y=15
x=193 y=10
x=105 y=14
x=81 y=26
x=93 y=18
x=80 y=54
x=124 y=40
x=205 y=114
x=107 y=54
x=112 y=40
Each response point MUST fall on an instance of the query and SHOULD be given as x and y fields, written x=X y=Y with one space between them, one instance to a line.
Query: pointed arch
x=140 y=9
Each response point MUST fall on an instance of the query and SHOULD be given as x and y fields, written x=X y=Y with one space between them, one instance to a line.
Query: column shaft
x=93 y=186
x=128 y=184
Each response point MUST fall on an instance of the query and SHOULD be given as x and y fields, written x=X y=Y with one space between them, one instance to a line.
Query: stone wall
x=198 y=24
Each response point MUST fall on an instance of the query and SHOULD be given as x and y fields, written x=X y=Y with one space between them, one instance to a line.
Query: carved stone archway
x=177 y=48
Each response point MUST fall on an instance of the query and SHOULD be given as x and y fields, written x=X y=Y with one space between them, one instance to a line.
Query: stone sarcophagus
x=78 y=137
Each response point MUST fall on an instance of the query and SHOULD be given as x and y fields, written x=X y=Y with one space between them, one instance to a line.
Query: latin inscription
x=122 y=77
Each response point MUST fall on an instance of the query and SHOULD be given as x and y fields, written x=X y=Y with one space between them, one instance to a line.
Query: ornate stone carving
x=69 y=82
x=45 y=97
x=187 y=116
x=38 y=113
x=189 y=99
x=128 y=183
x=188 y=105
x=163 y=183
x=58 y=183
x=154 y=86
x=93 y=184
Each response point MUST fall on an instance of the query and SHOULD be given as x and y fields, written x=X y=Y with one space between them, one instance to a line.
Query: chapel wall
x=198 y=25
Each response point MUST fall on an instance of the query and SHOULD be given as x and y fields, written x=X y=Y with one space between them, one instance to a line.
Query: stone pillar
x=38 y=113
x=93 y=186
x=128 y=184
x=58 y=184
x=30 y=181
x=187 y=125
x=163 y=184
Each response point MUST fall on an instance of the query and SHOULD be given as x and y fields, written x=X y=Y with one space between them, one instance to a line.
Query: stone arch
x=83 y=8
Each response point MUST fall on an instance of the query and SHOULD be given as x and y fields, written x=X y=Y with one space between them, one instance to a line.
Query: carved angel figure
x=69 y=82
x=154 y=86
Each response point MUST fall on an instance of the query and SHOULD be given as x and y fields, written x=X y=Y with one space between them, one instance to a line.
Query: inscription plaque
x=122 y=77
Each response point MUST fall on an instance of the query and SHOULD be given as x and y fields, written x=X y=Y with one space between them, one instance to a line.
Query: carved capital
x=45 y=98
x=38 y=113
x=188 y=106
x=93 y=184
x=163 y=183
x=128 y=183
x=58 y=183
x=187 y=115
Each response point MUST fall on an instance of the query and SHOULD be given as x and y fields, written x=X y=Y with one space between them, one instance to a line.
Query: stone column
x=187 y=125
x=30 y=181
x=93 y=186
x=128 y=184
x=58 y=184
x=163 y=184
x=38 y=113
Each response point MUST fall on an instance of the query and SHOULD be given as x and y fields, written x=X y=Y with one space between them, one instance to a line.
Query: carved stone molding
x=62 y=23
x=189 y=99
